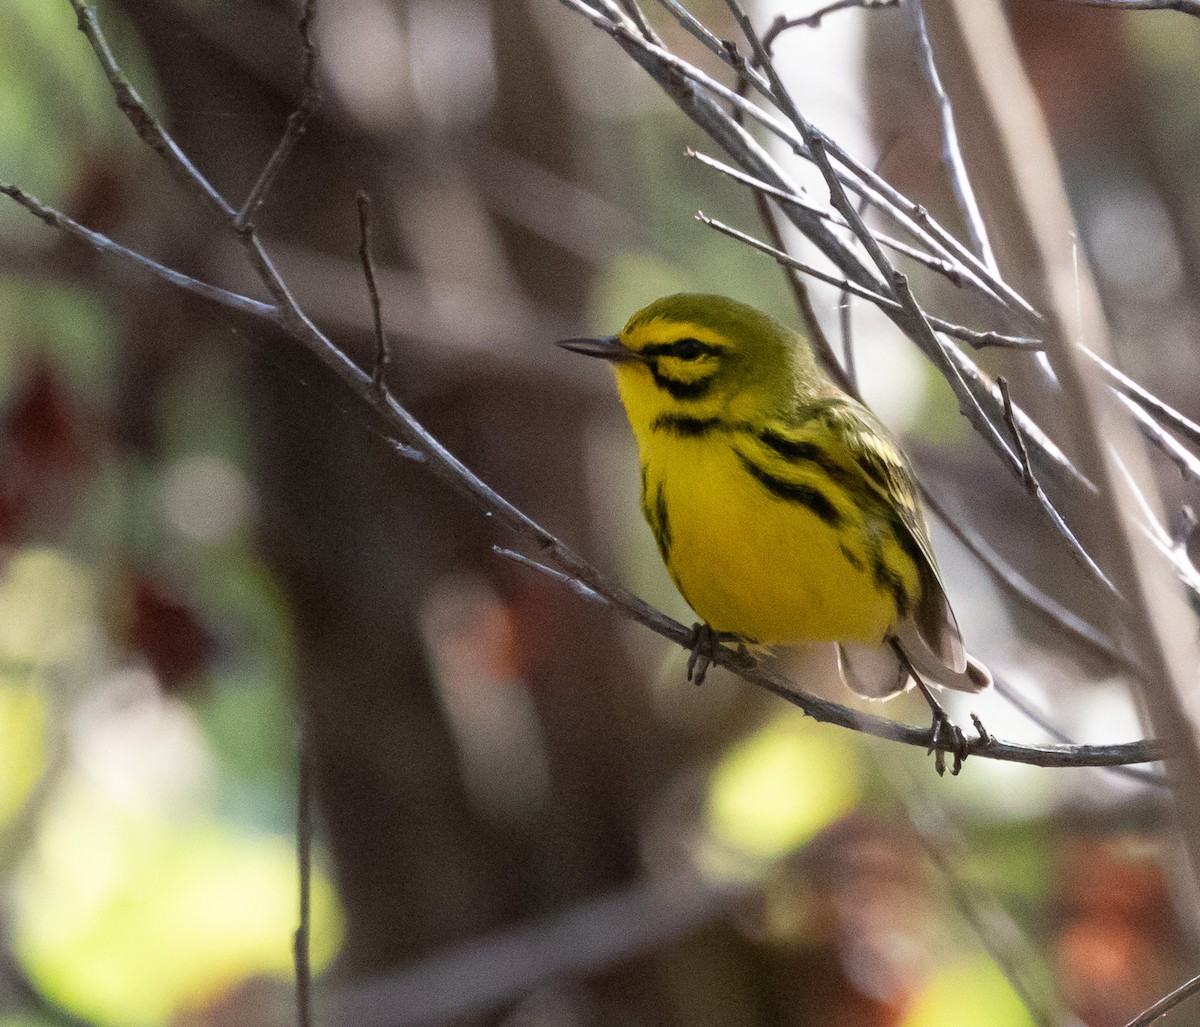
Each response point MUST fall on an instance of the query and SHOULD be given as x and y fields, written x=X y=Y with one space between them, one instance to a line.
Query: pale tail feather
x=873 y=671
x=973 y=677
x=879 y=672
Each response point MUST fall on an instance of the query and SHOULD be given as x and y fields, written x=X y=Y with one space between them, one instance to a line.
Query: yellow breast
x=747 y=560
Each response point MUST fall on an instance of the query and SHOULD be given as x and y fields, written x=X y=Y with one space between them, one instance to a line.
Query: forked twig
x=1027 y=476
x=1191 y=7
x=1169 y=1001
x=979 y=340
x=297 y=124
x=960 y=181
x=383 y=355
x=782 y=22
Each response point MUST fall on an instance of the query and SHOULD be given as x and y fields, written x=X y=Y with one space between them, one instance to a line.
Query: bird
x=783 y=509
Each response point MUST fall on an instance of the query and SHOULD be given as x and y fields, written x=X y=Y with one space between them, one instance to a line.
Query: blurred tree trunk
x=361 y=537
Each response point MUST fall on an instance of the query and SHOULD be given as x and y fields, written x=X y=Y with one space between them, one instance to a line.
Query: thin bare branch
x=297 y=123
x=1168 y=1002
x=574 y=584
x=960 y=181
x=1031 y=713
x=1024 y=590
x=812 y=323
x=1165 y=414
x=148 y=127
x=1191 y=7
x=1157 y=436
x=383 y=356
x=634 y=10
x=103 y=244
x=942 y=266
x=813 y=21
x=695 y=26
x=979 y=340
x=1027 y=476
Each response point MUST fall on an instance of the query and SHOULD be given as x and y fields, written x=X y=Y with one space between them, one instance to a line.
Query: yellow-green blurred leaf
x=23 y=723
x=974 y=993
x=124 y=917
x=781 y=786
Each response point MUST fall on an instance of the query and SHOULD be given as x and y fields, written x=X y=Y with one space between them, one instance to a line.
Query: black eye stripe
x=684 y=349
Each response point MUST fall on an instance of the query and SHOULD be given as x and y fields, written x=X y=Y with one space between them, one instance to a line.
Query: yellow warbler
x=784 y=511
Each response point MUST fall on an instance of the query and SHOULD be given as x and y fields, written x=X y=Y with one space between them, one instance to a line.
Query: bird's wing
x=929 y=636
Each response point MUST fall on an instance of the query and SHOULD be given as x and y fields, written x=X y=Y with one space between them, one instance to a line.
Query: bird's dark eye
x=688 y=349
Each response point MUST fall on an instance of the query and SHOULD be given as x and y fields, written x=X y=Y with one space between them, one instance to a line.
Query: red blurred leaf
x=47 y=445
x=170 y=635
x=44 y=423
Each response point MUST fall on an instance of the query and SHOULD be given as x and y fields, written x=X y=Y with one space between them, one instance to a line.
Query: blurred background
x=526 y=816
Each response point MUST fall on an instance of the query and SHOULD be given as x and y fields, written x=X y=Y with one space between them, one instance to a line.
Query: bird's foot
x=704 y=642
x=943 y=724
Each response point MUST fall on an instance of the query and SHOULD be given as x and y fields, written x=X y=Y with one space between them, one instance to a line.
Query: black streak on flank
x=888 y=579
x=851 y=559
x=798 y=451
x=806 y=495
x=686 y=427
x=662 y=521
x=792 y=449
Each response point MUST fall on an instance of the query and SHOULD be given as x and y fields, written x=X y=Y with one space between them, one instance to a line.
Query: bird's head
x=701 y=356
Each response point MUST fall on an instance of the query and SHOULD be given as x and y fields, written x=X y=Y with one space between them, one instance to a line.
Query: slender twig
x=1167 y=1002
x=1166 y=415
x=1035 y=716
x=979 y=340
x=695 y=26
x=103 y=244
x=383 y=356
x=1157 y=436
x=1027 y=476
x=939 y=264
x=666 y=68
x=834 y=713
x=782 y=23
x=301 y=939
x=297 y=124
x=960 y=181
x=148 y=128
x=634 y=10
x=815 y=331
x=1191 y=7
x=1021 y=588
x=574 y=584
x=1154 y=530
x=680 y=79
x=1188 y=522
x=848 y=359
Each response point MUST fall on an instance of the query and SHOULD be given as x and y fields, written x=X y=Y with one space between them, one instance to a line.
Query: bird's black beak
x=607 y=347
